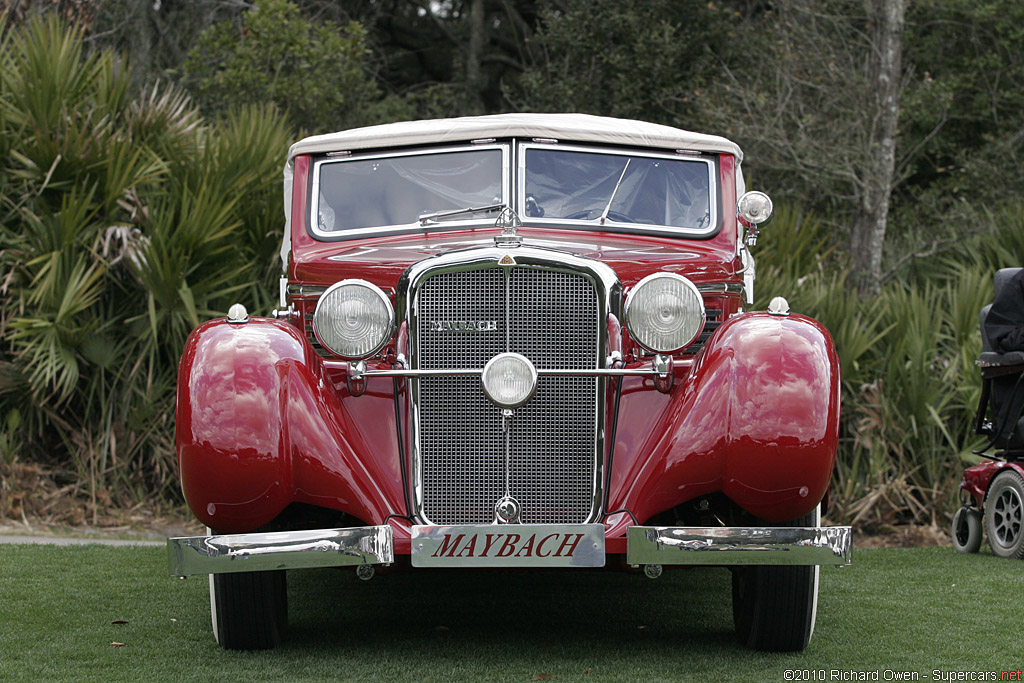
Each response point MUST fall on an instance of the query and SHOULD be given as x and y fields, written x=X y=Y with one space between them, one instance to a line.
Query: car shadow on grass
x=561 y=616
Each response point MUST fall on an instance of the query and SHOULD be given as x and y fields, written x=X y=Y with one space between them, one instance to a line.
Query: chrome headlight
x=664 y=312
x=509 y=380
x=754 y=207
x=353 y=319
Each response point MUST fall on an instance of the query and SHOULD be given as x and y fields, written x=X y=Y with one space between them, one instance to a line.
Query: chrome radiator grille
x=552 y=318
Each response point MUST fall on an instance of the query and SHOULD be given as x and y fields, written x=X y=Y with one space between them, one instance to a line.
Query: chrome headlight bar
x=660 y=369
x=657 y=368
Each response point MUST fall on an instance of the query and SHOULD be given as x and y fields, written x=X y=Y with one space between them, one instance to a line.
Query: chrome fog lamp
x=509 y=380
x=353 y=319
x=754 y=207
x=664 y=312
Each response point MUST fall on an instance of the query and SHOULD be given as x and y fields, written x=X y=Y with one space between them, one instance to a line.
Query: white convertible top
x=562 y=127
x=568 y=127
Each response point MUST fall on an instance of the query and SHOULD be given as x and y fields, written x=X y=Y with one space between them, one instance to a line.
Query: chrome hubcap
x=1007 y=517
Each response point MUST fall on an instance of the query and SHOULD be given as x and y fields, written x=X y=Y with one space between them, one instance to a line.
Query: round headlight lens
x=754 y=207
x=664 y=312
x=509 y=380
x=353 y=319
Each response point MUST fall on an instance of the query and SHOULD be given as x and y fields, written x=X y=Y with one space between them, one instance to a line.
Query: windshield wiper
x=427 y=217
x=604 y=214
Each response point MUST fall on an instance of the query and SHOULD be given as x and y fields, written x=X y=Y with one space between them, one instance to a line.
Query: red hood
x=382 y=260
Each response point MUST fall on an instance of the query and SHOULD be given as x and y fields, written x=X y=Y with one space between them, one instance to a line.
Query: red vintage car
x=513 y=341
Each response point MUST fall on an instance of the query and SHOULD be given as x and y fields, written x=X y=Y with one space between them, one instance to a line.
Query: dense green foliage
x=140 y=197
x=621 y=59
x=127 y=221
x=62 y=617
x=315 y=72
x=790 y=81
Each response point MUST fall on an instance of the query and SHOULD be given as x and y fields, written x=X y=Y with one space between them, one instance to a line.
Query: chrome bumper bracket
x=739 y=545
x=256 y=552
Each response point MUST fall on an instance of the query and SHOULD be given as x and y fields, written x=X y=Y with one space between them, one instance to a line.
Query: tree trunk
x=475 y=50
x=868 y=230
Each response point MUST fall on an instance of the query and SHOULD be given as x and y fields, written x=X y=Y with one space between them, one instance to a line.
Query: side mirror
x=754 y=209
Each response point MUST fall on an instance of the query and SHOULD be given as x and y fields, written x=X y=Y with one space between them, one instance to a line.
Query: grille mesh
x=552 y=320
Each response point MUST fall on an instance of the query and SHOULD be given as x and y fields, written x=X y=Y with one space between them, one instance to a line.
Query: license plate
x=509 y=545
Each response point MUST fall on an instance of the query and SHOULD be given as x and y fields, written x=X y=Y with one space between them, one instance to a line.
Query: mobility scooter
x=993 y=491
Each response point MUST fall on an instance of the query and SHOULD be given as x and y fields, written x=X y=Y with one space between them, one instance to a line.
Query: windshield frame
x=611 y=225
x=513 y=190
x=414 y=226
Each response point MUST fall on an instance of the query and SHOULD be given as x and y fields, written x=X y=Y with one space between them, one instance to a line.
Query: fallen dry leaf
x=119 y=621
x=588 y=670
x=542 y=677
x=117 y=644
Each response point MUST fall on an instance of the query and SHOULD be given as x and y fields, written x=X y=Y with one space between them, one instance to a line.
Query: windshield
x=369 y=192
x=568 y=186
x=584 y=185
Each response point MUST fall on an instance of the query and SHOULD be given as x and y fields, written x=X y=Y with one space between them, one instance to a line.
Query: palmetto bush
x=127 y=219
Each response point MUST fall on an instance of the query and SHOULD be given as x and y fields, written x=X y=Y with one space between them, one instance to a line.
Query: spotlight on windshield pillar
x=755 y=208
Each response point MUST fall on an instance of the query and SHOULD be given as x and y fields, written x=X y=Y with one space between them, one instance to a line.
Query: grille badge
x=462 y=325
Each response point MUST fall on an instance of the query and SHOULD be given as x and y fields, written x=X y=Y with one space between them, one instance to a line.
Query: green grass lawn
x=915 y=610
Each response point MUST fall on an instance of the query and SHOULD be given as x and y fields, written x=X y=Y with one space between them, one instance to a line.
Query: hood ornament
x=508 y=221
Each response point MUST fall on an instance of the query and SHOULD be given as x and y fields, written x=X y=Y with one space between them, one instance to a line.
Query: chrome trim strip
x=720 y=288
x=255 y=552
x=739 y=545
x=400 y=371
x=553 y=372
x=305 y=290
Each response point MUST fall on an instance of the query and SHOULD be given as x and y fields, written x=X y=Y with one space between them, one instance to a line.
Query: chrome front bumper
x=739 y=545
x=374 y=545
x=280 y=550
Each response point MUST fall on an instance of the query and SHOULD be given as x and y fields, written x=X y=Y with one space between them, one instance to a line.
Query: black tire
x=774 y=607
x=249 y=610
x=966 y=531
x=1004 y=515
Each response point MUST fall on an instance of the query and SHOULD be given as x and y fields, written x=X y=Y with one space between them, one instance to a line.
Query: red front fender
x=757 y=418
x=259 y=426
